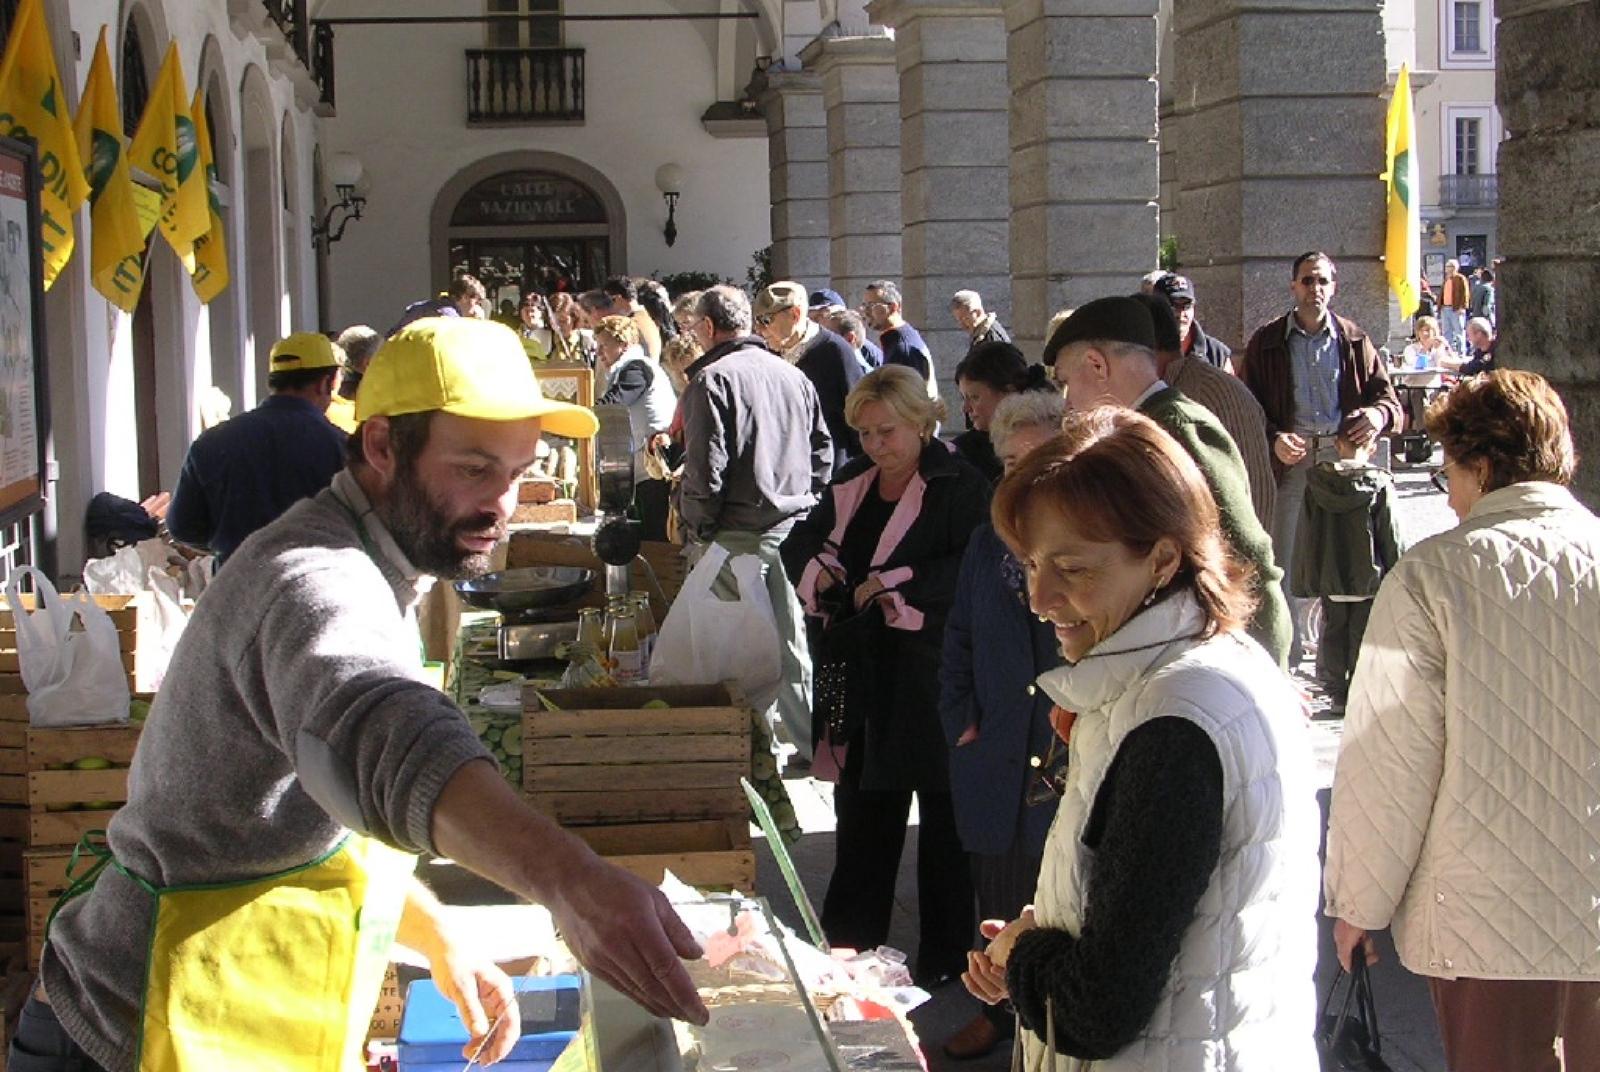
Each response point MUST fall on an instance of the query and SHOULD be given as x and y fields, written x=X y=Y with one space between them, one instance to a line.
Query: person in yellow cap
x=247 y=471
x=295 y=762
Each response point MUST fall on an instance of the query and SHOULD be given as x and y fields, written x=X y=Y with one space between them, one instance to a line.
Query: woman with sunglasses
x=1173 y=926
x=1002 y=749
x=1468 y=782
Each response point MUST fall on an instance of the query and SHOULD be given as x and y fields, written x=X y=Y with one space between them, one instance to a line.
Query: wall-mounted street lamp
x=345 y=172
x=669 y=180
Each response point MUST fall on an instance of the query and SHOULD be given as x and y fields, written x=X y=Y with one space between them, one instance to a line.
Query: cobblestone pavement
x=1410 y=1039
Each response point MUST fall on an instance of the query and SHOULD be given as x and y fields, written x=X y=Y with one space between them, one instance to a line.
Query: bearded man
x=296 y=760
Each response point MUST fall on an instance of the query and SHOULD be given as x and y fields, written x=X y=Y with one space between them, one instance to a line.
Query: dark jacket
x=978 y=449
x=1348 y=537
x=756 y=448
x=904 y=345
x=245 y=472
x=904 y=744
x=1363 y=380
x=1214 y=451
x=994 y=648
x=831 y=366
x=1210 y=350
x=995 y=332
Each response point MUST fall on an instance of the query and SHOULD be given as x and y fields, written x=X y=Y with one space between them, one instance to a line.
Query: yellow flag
x=164 y=146
x=116 y=238
x=1403 y=247
x=34 y=105
x=210 y=276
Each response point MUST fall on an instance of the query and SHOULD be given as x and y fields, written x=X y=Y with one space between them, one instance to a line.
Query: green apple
x=655 y=705
x=92 y=763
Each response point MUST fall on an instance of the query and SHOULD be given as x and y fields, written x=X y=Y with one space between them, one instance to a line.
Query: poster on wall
x=22 y=396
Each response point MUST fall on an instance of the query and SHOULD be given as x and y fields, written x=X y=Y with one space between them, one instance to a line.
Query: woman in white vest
x=635 y=380
x=1173 y=928
x=1468 y=785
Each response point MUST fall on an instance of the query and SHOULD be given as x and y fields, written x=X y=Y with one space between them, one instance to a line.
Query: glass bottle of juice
x=627 y=658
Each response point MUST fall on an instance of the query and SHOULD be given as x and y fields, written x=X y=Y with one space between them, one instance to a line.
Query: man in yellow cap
x=295 y=761
x=247 y=471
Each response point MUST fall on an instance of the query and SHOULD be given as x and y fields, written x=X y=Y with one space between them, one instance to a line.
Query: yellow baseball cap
x=304 y=351
x=468 y=367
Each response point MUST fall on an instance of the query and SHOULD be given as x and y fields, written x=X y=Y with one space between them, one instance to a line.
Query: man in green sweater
x=1105 y=354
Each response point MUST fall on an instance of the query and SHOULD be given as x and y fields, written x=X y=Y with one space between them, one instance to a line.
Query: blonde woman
x=875 y=566
x=634 y=380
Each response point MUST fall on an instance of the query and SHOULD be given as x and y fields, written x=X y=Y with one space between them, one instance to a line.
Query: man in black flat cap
x=1105 y=354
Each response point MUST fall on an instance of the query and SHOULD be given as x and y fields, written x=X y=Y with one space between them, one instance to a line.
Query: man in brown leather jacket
x=1316 y=375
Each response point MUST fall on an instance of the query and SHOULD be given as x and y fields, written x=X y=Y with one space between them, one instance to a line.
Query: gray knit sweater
x=291 y=714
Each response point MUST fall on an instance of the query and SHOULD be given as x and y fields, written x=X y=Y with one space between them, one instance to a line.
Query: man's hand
x=623 y=930
x=479 y=990
x=1363 y=425
x=483 y=995
x=1289 y=447
x=1346 y=937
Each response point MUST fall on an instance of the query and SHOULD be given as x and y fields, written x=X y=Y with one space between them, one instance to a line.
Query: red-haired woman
x=1173 y=925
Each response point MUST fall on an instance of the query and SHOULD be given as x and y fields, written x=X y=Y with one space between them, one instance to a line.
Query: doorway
x=510 y=268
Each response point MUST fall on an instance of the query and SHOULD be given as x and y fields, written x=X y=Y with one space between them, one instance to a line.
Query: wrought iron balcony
x=524 y=85
x=1469 y=191
x=311 y=43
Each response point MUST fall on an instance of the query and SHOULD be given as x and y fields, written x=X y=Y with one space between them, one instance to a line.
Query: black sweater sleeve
x=1156 y=831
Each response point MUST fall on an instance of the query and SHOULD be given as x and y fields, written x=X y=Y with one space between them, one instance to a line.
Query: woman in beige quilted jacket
x=1466 y=797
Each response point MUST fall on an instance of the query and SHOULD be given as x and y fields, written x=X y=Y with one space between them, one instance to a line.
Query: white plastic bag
x=706 y=639
x=74 y=677
x=170 y=618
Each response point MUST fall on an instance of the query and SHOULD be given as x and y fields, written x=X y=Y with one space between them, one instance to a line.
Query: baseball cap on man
x=823 y=299
x=467 y=367
x=1118 y=319
x=304 y=351
x=1175 y=287
x=778 y=297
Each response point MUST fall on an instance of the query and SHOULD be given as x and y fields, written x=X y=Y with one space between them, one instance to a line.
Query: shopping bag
x=706 y=639
x=1347 y=1039
x=69 y=656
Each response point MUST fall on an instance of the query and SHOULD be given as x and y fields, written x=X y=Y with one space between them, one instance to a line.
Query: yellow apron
x=275 y=974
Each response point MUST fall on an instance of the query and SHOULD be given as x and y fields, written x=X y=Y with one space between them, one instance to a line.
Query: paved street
x=1410 y=1040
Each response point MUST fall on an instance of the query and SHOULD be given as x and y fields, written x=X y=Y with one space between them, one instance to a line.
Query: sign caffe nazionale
x=527 y=197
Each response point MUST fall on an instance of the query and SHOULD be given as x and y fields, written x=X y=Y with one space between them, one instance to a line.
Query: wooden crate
x=534 y=548
x=45 y=878
x=709 y=852
x=59 y=800
x=604 y=758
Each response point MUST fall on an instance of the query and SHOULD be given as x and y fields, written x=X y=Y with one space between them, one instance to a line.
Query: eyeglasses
x=1315 y=281
x=874 y=305
x=1438 y=478
x=764 y=321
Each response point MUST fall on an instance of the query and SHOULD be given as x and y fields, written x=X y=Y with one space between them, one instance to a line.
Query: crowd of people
x=1065 y=630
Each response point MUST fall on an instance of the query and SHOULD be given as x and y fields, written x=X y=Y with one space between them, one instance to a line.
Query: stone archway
x=263 y=291
x=595 y=220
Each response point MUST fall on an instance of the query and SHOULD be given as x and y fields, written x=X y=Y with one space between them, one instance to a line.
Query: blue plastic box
x=432 y=1034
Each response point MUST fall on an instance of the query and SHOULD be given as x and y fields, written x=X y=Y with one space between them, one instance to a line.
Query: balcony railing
x=525 y=85
x=311 y=43
x=1469 y=191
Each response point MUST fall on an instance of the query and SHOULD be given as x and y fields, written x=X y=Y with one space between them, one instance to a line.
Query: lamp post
x=345 y=172
x=669 y=180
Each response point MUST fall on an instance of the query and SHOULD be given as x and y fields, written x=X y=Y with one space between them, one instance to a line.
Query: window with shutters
x=524 y=32
x=1466 y=33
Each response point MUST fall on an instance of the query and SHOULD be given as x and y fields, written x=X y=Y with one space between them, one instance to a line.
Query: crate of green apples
x=77 y=778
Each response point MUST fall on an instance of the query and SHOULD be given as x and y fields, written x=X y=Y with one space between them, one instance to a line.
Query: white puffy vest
x=1240 y=997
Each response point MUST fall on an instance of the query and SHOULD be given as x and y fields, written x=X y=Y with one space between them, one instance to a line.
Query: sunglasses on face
x=764 y=321
x=1315 y=281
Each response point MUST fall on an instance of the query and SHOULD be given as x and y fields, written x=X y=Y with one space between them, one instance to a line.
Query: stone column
x=951 y=59
x=1280 y=144
x=1084 y=168
x=797 y=153
x=1549 y=170
x=861 y=93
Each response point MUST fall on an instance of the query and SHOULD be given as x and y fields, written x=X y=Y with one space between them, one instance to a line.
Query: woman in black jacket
x=875 y=564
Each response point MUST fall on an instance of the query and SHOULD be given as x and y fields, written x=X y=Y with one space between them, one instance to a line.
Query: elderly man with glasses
x=1316 y=375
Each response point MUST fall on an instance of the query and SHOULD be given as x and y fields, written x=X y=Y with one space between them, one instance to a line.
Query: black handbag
x=844 y=649
x=1347 y=1039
